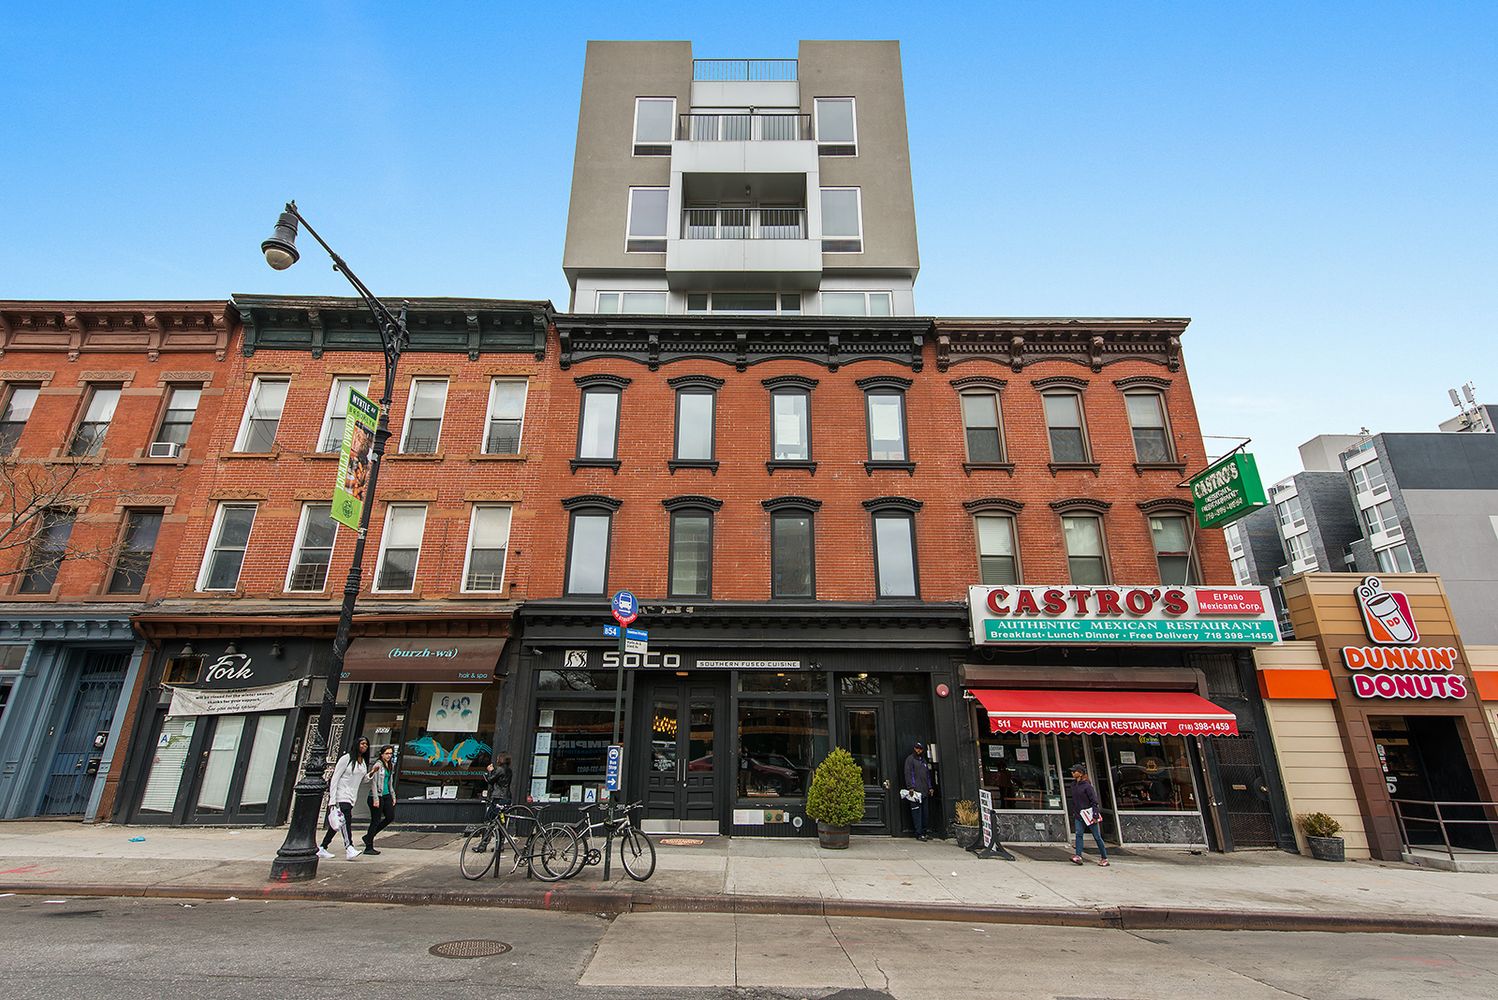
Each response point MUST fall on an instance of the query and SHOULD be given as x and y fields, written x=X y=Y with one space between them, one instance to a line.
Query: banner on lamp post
x=354 y=459
x=1227 y=490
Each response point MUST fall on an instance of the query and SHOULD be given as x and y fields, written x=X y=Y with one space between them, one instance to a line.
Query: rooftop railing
x=744 y=70
x=743 y=126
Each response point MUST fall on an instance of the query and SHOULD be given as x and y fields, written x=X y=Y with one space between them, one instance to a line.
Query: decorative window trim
x=904 y=505
x=969 y=382
x=692 y=501
x=993 y=503
x=165 y=379
x=777 y=504
x=1051 y=382
x=39 y=376
x=584 y=500
x=884 y=382
x=789 y=382
x=601 y=380
x=790 y=463
x=122 y=377
x=706 y=382
x=1171 y=505
x=1143 y=382
x=1085 y=505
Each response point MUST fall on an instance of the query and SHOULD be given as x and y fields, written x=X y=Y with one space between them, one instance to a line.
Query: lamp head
x=280 y=249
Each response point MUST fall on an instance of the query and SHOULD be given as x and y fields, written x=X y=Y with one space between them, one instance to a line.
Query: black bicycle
x=549 y=853
x=633 y=849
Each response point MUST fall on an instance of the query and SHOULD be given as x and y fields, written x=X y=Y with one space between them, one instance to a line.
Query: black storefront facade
x=732 y=707
x=232 y=699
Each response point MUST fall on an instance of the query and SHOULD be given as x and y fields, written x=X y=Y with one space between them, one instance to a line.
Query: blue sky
x=1314 y=184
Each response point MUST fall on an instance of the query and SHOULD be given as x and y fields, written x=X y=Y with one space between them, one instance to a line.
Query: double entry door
x=680 y=760
x=84 y=733
x=216 y=769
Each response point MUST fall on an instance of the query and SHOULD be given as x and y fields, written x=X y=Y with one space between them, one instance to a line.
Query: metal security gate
x=1245 y=792
x=91 y=713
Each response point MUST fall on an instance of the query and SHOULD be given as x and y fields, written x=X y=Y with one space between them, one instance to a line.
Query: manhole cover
x=681 y=842
x=472 y=948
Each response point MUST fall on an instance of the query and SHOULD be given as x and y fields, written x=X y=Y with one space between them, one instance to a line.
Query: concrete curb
x=606 y=902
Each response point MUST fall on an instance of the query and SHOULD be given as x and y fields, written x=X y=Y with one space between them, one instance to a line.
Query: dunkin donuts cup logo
x=1386 y=614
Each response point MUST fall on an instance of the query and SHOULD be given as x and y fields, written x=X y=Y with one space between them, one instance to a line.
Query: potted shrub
x=1321 y=833
x=967 y=827
x=835 y=799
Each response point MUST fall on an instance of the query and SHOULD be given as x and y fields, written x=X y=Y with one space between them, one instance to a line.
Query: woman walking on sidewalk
x=381 y=797
x=349 y=773
x=1088 y=809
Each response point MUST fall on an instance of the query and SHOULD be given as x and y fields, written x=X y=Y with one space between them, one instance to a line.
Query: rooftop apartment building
x=772 y=186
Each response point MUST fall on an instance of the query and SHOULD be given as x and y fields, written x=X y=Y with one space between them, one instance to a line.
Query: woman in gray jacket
x=349 y=773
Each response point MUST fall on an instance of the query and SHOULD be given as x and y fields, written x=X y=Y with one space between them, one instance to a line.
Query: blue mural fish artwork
x=462 y=755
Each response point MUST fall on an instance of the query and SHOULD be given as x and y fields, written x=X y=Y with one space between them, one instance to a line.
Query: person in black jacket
x=1087 y=809
x=918 y=789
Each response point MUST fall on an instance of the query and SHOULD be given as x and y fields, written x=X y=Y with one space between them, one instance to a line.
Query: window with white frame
x=842 y=220
x=262 y=415
x=857 y=303
x=400 y=547
x=837 y=126
x=331 y=437
x=655 y=125
x=997 y=562
x=313 y=553
x=1151 y=432
x=1395 y=559
x=488 y=540
x=1298 y=548
x=424 y=416
x=1084 y=549
x=88 y=437
x=1369 y=477
x=1064 y=426
x=1290 y=514
x=227 y=543
x=770 y=303
x=634 y=303
x=1381 y=518
x=506 y=419
x=1172 y=538
x=1240 y=570
x=181 y=409
x=646 y=226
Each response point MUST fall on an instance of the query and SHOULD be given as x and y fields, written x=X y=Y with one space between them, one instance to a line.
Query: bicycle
x=547 y=852
x=634 y=850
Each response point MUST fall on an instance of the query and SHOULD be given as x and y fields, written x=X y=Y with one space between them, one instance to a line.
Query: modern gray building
x=1393 y=503
x=772 y=186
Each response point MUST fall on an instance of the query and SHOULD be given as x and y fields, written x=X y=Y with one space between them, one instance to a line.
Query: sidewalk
x=875 y=877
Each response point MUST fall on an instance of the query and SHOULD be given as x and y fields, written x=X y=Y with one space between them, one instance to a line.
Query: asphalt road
x=127 y=949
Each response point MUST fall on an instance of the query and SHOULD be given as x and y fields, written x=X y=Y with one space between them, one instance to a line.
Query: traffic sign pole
x=625 y=611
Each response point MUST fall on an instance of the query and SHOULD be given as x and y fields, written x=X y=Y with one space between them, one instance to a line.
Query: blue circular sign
x=624 y=607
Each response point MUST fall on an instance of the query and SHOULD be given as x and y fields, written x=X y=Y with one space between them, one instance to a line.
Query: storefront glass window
x=265 y=755
x=1151 y=773
x=571 y=743
x=801 y=680
x=442 y=747
x=575 y=680
x=160 y=794
x=779 y=747
x=1020 y=770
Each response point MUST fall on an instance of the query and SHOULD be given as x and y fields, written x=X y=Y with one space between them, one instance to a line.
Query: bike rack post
x=608 y=840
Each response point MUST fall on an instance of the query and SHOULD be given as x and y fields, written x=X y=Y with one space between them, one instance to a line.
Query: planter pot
x=966 y=836
x=834 y=838
x=1326 y=848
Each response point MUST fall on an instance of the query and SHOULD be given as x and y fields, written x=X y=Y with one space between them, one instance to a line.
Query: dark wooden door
x=867 y=734
x=91 y=714
x=682 y=762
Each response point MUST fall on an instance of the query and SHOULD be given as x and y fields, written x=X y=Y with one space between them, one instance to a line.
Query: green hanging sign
x=1228 y=490
x=354 y=459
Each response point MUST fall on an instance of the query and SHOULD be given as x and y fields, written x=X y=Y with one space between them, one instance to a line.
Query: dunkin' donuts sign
x=1395 y=666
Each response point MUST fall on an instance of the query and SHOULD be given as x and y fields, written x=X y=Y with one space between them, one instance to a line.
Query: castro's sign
x=1112 y=615
x=1228 y=490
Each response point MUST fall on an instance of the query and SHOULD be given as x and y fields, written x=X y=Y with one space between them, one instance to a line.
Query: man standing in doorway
x=918 y=788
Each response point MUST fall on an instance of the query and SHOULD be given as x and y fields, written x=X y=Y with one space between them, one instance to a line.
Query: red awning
x=1170 y=713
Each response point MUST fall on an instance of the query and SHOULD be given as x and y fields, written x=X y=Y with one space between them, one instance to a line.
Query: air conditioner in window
x=165 y=449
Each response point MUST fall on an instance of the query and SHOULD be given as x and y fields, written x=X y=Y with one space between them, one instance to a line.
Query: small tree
x=39 y=503
x=836 y=795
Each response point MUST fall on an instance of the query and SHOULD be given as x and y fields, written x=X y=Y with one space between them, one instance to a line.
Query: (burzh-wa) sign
x=1114 y=615
x=1227 y=490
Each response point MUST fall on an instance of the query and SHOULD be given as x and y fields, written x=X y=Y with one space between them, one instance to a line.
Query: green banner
x=1228 y=490
x=354 y=459
x=1250 y=630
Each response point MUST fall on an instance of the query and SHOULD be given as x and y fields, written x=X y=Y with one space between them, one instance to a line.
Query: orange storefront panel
x=1304 y=685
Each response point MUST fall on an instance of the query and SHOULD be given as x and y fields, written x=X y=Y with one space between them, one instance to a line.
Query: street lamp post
x=296 y=861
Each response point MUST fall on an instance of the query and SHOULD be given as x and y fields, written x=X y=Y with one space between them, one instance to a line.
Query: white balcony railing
x=744 y=126
x=744 y=224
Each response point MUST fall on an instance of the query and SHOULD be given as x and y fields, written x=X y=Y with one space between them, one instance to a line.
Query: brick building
x=244 y=628
x=104 y=433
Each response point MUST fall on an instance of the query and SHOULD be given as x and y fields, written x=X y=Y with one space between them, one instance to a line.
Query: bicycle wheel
x=582 y=852
x=636 y=854
x=553 y=853
x=479 y=852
